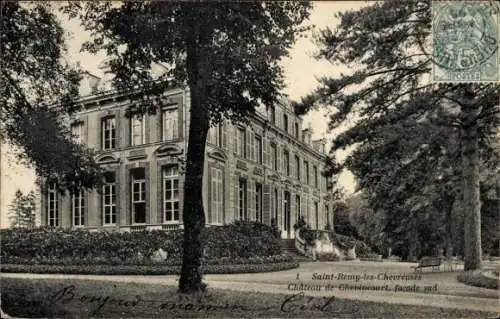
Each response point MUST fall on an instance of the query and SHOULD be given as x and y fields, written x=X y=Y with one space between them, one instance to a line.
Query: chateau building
x=269 y=169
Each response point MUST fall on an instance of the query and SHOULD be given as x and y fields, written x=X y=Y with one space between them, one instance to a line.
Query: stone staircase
x=289 y=249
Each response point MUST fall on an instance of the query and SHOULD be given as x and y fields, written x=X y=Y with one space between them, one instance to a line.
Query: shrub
x=243 y=239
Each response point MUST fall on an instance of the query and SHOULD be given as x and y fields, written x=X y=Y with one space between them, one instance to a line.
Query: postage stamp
x=465 y=42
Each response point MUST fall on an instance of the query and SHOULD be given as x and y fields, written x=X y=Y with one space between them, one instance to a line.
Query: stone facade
x=267 y=170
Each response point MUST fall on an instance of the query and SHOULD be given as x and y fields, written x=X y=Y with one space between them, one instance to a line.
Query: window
x=297 y=167
x=109 y=199
x=138 y=130
x=108 y=127
x=241 y=141
x=171 y=193
x=138 y=195
x=297 y=206
x=215 y=135
x=77 y=131
x=170 y=124
x=285 y=122
x=286 y=162
x=217 y=202
x=258 y=149
x=274 y=157
x=272 y=114
x=316 y=214
x=306 y=171
x=296 y=130
x=276 y=206
x=52 y=205
x=242 y=199
x=315 y=171
x=258 y=202
x=78 y=208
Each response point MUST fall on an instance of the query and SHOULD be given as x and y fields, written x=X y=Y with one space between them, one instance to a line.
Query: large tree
x=389 y=45
x=37 y=94
x=226 y=53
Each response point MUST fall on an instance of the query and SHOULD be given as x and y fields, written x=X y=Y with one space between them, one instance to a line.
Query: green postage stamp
x=465 y=41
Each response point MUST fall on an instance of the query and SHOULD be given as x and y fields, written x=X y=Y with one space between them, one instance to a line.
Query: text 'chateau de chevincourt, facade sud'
x=269 y=169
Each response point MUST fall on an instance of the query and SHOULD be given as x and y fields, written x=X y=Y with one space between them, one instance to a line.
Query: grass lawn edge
x=144 y=269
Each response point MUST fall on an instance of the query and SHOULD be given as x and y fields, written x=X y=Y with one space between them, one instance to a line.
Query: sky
x=301 y=71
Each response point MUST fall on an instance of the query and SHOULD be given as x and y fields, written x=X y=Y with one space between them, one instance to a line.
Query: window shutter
x=265 y=160
x=292 y=165
x=250 y=207
x=224 y=134
x=280 y=164
x=252 y=145
x=180 y=122
x=248 y=143
x=236 y=134
x=220 y=199
x=266 y=204
x=213 y=195
x=303 y=208
x=235 y=197
x=293 y=212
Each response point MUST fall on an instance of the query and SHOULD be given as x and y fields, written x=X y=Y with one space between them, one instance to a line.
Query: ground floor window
x=242 y=199
x=78 y=208
x=138 y=195
x=217 y=196
x=171 y=193
x=52 y=205
x=109 y=199
x=258 y=202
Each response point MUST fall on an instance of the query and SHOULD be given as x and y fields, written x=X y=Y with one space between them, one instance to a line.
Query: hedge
x=242 y=239
x=144 y=269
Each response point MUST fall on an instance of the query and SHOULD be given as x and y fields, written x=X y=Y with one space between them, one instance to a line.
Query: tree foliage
x=414 y=136
x=38 y=92
x=22 y=210
x=226 y=53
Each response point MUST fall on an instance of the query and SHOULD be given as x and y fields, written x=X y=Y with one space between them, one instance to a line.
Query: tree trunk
x=472 y=204
x=193 y=212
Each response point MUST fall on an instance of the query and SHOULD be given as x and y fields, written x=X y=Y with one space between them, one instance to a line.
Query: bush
x=242 y=239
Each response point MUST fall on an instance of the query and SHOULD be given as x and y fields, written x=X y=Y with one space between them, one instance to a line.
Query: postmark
x=465 y=42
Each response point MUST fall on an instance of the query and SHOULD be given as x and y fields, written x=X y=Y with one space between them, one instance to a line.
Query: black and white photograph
x=249 y=159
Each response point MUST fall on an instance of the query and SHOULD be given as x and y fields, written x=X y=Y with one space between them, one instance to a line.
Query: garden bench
x=433 y=262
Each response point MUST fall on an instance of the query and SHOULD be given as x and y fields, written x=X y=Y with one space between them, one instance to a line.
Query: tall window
x=315 y=171
x=215 y=135
x=138 y=130
x=108 y=128
x=297 y=167
x=297 y=206
x=272 y=114
x=296 y=130
x=138 y=195
x=77 y=131
x=217 y=203
x=52 y=207
x=242 y=199
x=285 y=122
x=274 y=156
x=306 y=171
x=170 y=124
x=258 y=202
x=109 y=199
x=78 y=208
x=258 y=149
x=241 y=142
x=286 y=162
x=276 y=212
x=171 y=193
x=316 y=214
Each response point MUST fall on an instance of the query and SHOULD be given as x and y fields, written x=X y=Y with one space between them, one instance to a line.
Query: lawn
x=86 y=298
